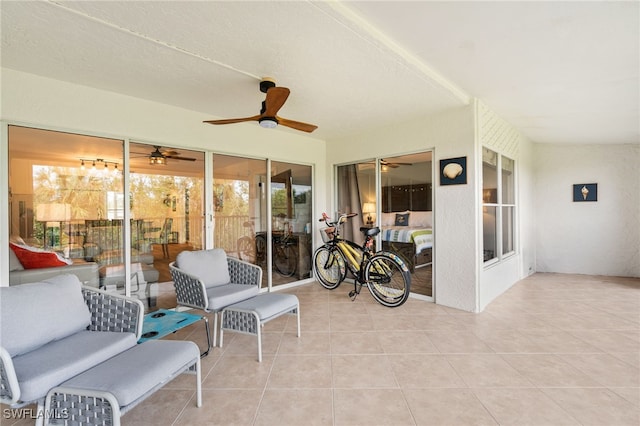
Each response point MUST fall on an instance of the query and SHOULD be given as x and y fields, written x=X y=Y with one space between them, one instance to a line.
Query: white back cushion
x=210 y=266
x=35 y=314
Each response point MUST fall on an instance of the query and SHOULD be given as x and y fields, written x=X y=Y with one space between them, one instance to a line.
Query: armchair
x=210 y=281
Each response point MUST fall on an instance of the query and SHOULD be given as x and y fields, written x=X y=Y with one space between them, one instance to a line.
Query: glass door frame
x=378 y=198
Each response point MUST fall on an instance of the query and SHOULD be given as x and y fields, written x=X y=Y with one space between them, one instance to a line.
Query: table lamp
x=369 y=208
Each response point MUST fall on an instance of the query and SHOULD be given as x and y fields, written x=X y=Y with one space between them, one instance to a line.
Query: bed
x=410 y=234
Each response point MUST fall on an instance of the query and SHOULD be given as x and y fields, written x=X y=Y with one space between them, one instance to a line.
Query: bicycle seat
x=370 y=232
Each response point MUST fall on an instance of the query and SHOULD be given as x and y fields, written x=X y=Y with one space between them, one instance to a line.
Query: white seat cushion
x=133 y=373
x=48 y=366
x=225 y=295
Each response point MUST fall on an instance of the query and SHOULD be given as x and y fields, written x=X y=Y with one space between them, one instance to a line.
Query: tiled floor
x=554 y=350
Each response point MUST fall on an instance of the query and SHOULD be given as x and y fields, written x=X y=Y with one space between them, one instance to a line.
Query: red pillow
x=32 y=258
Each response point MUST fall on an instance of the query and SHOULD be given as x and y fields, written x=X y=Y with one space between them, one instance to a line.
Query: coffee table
x=163 y=322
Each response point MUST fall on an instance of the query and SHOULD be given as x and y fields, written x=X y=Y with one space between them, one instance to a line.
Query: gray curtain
x=349 y=201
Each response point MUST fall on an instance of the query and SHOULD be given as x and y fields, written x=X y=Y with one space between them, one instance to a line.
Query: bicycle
x=254 y=250
x=384 y=273
x=285 y=258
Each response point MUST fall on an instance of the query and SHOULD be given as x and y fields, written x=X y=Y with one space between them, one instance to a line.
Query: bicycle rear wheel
x=285 y=259
x=388 y=279
x=328 y=267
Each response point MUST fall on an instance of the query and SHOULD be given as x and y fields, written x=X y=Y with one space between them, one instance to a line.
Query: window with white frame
x=498 y=206
x=115 y=205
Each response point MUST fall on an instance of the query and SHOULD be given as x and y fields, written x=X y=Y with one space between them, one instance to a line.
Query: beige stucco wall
x=450 y=134
x=599 y=238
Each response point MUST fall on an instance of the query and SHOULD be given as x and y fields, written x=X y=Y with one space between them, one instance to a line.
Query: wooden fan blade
x=175 y=157
x=298 y=125
x=233 y=120
x=393 y=163
x=276 y=97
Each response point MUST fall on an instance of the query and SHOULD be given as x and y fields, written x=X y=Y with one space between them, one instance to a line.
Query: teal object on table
x=163 y=322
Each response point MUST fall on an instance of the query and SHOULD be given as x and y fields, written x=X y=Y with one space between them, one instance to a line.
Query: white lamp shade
x=369 y=208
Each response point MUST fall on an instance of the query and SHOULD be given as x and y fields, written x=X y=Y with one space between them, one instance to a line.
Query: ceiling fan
x=393 y=165
x=275 y=99
x=160 y=157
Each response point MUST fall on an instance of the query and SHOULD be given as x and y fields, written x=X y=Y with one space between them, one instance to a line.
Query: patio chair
x=211 y=281
x=162 y=237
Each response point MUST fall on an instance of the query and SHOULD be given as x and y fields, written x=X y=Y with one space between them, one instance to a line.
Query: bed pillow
x=402 y=219
x=34 y=258
x=421 y=219
x=388 y=219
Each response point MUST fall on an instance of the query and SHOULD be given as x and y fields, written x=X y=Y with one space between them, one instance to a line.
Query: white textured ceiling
x=560 y=72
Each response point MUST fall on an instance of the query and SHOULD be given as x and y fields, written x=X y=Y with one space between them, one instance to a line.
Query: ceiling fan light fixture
x=268 y=122
x=157 y=158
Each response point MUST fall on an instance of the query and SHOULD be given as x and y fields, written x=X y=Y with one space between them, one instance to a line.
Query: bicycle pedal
x=353 y=294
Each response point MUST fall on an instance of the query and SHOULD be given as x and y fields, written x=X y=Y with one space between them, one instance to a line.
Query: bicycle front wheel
x=245 y=249
x=328 y=267
x=261 y=249
x=388 y=279
x=285 y=260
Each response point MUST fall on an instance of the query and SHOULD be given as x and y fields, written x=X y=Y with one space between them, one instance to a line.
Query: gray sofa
x=73 y=350
x=48 y=335
x=87 y=272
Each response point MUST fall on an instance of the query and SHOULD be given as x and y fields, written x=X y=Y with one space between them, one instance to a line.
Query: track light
x=97 y=160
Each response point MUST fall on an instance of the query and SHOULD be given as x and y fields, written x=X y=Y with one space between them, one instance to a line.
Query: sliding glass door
x=166 y=199
x=276 y=239
x=240 y=208
x=291 y=210
x=406 y=218
x=67 y=197
x=401 y=204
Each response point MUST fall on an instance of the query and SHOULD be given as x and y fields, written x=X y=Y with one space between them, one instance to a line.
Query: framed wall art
x=453 y=171
x=585 y=192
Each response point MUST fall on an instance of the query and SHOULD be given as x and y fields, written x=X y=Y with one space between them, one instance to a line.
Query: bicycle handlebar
x=342 y=218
